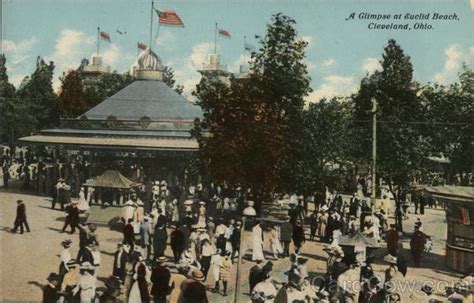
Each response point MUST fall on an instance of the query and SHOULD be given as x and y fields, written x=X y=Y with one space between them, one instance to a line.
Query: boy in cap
x=50 y=293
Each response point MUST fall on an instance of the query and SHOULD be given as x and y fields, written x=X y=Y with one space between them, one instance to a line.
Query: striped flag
x=105 y=36
x=168 y=18
x=224 y=33
x=141 y=45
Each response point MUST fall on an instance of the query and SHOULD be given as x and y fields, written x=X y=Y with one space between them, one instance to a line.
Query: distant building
x=214 y=70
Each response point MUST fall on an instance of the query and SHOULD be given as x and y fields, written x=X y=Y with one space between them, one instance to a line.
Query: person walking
x=286 y=231
x=65 y=258
x=192 y=290
x=257 y=243
x=417 y=245
x=120 y=258
x=20 y=219
x=224 y=273
x=72 y=217
x=145 y=234
x=160 y=277
x=129 y=234
x=298 y=236
x=177 y=243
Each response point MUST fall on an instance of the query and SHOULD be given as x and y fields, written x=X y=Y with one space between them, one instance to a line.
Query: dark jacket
x=286 y=232
x=21 y=212
x=160 y=277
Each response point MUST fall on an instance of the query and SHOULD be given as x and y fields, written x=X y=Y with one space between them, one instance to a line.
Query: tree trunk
x=398 y=208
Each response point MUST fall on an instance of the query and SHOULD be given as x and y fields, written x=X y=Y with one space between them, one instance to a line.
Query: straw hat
x=161 y=259
x=87 y=266
x=390 y=259
x=250 y=203
x=198 y=275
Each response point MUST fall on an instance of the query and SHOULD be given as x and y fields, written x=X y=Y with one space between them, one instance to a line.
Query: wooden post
x=239 y=262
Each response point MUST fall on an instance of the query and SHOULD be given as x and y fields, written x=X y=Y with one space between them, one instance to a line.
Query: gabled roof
x=112 y=179
x=146 y=98
x=358 y=239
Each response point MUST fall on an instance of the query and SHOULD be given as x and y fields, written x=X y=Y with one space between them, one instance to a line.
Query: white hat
x=188 y=202
x=390 y=259
x=157 y=182
x=163 y=182
x=250 y=203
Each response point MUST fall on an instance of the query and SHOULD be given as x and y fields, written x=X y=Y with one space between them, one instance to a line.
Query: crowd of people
x=208 y=228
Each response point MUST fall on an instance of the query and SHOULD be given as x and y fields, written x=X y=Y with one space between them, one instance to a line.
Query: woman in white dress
x=82 y=205
x=87 y=283
x=275 y=243
x=257 y=243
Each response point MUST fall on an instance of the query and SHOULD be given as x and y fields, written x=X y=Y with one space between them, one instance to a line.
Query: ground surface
x=26 y=260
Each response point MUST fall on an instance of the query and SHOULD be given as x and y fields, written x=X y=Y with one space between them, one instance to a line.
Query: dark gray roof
x=146 y=98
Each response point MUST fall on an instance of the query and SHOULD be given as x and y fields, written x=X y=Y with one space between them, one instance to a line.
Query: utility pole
x=373 y=196
x=239 y=262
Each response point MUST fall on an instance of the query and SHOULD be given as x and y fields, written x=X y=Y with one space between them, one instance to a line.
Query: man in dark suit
x=286 y=233
x=72 y=218
x=120 y=258
x=160 y=277
x=129 y=234
x=20 y=217
x=85 y=254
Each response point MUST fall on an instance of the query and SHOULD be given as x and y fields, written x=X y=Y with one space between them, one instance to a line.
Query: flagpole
x=157 y=32
x=98 y=40
x=215 y=40
x=151 y=22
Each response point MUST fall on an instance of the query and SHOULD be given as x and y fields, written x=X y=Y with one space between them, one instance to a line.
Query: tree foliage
x=168 y=78
x=254 y=125
x=71 y=99
x=38 y=100
x=450 y=115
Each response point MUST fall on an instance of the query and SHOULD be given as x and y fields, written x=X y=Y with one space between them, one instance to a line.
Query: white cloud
x=186 y=73
x=18 y=58
x=166 y=39
x=328 y=62
x=454 y=60
x=371 y=65
x=73 y=45
x=333 y=85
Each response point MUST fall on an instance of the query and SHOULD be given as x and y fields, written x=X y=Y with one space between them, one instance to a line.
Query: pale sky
x=339 y=54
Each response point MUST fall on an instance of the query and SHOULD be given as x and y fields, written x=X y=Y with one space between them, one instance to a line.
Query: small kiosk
x=459 y=206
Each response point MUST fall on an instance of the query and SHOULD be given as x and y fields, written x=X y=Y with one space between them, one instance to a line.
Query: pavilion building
x=146 y=124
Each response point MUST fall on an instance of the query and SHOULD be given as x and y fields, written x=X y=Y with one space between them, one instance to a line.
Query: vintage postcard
x=236 y=151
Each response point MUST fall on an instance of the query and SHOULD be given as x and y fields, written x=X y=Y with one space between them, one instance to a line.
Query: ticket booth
x=459 y=206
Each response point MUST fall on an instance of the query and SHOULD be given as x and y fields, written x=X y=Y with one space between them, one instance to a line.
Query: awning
x=131 y=143
x=112 y=179
x=452 y=193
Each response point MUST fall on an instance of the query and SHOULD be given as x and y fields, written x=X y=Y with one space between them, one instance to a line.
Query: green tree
x=106 y=85
x=401 y=148
x=326 y=144
x=168 y=78
x=254 y=125
x=450 y=113
x=8 y=106
x=38 y=100
x=71 y=97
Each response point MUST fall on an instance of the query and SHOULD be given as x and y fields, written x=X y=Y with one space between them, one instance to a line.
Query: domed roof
x=148 y=60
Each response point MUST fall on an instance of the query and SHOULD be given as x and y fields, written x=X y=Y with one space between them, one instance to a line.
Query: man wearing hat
x=145 y=235
x=129 y=234
x=160 y=277
x=50 y=292
x=392 y=237
x=160 y=236
x=286 y=233
x=20 y=219
x=264 y=291
x=85 y=253
x=192 y=290
x=72 y=217
x=120 y=258
x=391 y=271
x=128 y=209
x=417 y=245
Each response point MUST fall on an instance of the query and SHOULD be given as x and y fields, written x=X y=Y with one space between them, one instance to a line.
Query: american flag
x=141 y=45
x=105 y=36
x=224 y=33
x=168 y=18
